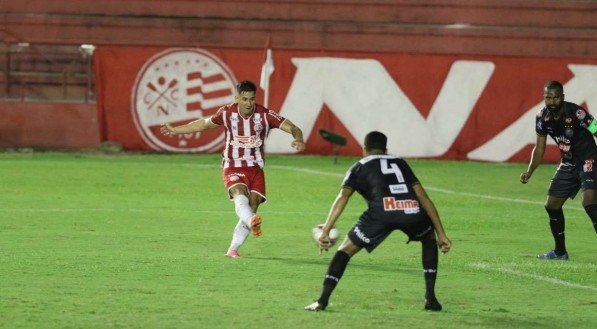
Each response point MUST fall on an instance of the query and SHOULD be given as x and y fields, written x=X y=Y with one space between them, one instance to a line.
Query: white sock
x=241 y=232
x=243 y=210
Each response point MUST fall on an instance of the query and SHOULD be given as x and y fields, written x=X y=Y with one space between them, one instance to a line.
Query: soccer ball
x=318 y=229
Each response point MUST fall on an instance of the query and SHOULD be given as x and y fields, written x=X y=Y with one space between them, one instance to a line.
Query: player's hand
x=166 y=130
x=299 y=145
x=444 y=243
x=324 y=242
x=524 y=177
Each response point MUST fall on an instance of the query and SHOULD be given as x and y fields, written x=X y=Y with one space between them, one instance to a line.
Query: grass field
x=137 y=241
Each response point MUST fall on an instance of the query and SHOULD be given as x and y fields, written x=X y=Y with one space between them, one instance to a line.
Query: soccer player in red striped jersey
x=247 y=125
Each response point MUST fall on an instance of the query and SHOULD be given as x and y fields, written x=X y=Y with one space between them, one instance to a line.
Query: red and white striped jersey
x=245 y=137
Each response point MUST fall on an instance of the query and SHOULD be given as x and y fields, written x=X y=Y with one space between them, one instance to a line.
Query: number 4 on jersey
x=392 y=168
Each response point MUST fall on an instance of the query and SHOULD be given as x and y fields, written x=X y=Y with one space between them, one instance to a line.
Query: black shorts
x=368 y=233
x=568 y=180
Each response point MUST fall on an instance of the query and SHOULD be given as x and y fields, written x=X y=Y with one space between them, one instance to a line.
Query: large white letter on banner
x=364 y=97
x=580 y=89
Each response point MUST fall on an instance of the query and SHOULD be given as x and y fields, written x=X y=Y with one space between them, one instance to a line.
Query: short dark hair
x=244 y=86
x=375 y=141
x=555 y=85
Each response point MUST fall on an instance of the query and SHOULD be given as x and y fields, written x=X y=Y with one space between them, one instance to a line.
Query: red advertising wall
x=48 y=125
x=440 y=106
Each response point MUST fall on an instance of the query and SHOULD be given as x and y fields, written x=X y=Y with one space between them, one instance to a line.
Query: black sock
x=429 y=254
x=558 y=226
x=335 y=271
x=592 y=212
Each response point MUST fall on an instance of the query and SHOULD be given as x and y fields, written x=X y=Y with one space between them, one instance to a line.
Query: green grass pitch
x=138 y=241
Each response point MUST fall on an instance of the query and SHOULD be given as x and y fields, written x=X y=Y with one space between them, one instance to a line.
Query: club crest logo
x=177 y=86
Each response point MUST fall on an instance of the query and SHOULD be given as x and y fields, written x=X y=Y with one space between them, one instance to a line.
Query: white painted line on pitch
x=486 y=266
x=109 y=209
x=431 y=188
x=324 y=173
x=553 y=265
x=264 y=212
x=308 y=171
x=201 y=165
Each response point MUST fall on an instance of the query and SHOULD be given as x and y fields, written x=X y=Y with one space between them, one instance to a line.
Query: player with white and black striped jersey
x=396 y=201
x=246 y=126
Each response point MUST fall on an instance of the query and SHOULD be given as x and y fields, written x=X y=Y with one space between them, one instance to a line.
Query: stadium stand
x=41 y=59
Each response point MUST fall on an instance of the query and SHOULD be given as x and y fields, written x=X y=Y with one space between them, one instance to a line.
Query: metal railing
x=48 y=73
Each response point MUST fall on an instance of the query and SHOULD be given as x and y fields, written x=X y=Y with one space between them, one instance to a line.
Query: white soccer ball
x=318 y=230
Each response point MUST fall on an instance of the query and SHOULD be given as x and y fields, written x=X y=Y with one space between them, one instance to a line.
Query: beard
x=553 y=109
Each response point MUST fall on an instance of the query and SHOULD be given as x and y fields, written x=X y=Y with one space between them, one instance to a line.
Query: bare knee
x=589 y=197
x=549 y=207
x=254 y=201
x=349 y=247
x=238 y=190
x=554 y=203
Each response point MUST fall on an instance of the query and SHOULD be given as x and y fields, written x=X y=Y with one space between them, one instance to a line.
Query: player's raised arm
x=298 y=143
x=536 y=158
x=191 y=127
x=442 y=239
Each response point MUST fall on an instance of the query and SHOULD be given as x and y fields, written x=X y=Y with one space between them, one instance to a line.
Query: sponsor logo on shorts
x=361 y=236
x=235 y=176
x=408 y=206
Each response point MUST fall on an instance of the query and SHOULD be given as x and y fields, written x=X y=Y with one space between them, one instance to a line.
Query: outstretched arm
x=442 y=238
x=289 y=127
x=335 y=212
x=191 y=127
x=536 y=158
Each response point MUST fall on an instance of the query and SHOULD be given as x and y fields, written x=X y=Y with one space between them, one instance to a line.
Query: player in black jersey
x=397 y=201
x=572 y=128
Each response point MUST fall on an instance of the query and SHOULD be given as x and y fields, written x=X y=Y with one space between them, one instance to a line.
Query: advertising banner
x=430 y=106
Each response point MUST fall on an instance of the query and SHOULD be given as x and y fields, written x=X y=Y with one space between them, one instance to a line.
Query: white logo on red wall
x=178 y=86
